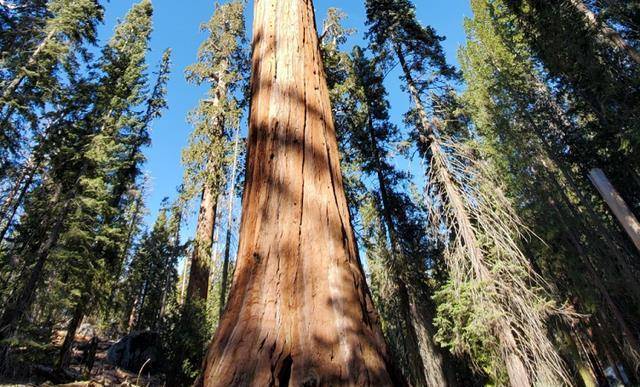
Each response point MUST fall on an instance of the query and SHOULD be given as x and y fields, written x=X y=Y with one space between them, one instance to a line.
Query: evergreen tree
x=81 y=227
x=486 y=267
x=152 y=271
x=222 y=64
x=596 y=80
x=45 y=38
x=370 y=136
x=515 y=109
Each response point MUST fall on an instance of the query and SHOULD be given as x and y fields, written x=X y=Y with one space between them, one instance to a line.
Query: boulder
x=87 y=331
x=134 y=350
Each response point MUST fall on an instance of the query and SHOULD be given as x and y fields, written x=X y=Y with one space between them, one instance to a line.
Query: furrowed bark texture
x=299 y=311
x=198 y=286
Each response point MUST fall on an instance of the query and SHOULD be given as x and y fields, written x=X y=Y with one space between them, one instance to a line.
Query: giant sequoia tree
x=222 y=64
x=299 y=303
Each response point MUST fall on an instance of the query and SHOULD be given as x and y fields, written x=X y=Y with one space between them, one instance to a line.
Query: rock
x=134 y=350
x=87 y=330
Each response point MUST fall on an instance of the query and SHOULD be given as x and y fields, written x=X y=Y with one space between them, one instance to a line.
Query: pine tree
x=121 y=131
x=515 y=109
x=597 y=81
x=49 y=39
x=369 y=134
x=152 y=263
x=80 y=223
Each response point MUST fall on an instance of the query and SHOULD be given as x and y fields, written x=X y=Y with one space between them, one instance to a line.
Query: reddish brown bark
x=198 y=285
x=299 y=311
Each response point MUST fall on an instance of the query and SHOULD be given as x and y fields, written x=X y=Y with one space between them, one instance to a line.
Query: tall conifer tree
x=299 y=302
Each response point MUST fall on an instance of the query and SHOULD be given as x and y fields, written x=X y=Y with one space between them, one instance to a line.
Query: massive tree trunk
x=299 y=311
x=198 y=285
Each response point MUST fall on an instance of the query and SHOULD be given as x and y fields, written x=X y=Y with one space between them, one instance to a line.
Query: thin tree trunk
x=418 y=346
x=595 y=279
x=608 y=33
x=11 y=87
x=9 y=199
x=436 y=369
x=185 y=278
x=13 y=203
x=225 y=275
x=227 y=241
x=299 y=311
x=64 y=356
x=132 y=314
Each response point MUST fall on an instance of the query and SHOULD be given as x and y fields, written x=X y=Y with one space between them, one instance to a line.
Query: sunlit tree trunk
x=198 y=285
x=299 y=310
x=617 y=205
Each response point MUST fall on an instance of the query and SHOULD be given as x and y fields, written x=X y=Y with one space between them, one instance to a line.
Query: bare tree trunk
x=198 y=284
x=132 y=316
x=13 y=202
x=299 y=311
x=185 y=278
x=617 y=205
x=608 y=33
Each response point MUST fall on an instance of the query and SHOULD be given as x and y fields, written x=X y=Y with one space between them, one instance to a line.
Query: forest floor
x=102 y=373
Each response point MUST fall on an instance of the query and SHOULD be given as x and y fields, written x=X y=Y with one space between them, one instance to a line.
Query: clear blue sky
x=176 y=25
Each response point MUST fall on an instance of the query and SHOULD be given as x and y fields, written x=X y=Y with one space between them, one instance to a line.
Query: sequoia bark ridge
x=299 y=311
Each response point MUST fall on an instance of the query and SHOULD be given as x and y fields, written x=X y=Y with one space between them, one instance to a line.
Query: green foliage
x=223 y=65
x=465 y=328
x=45 y=40
x=152 y=275
x=184 y=335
